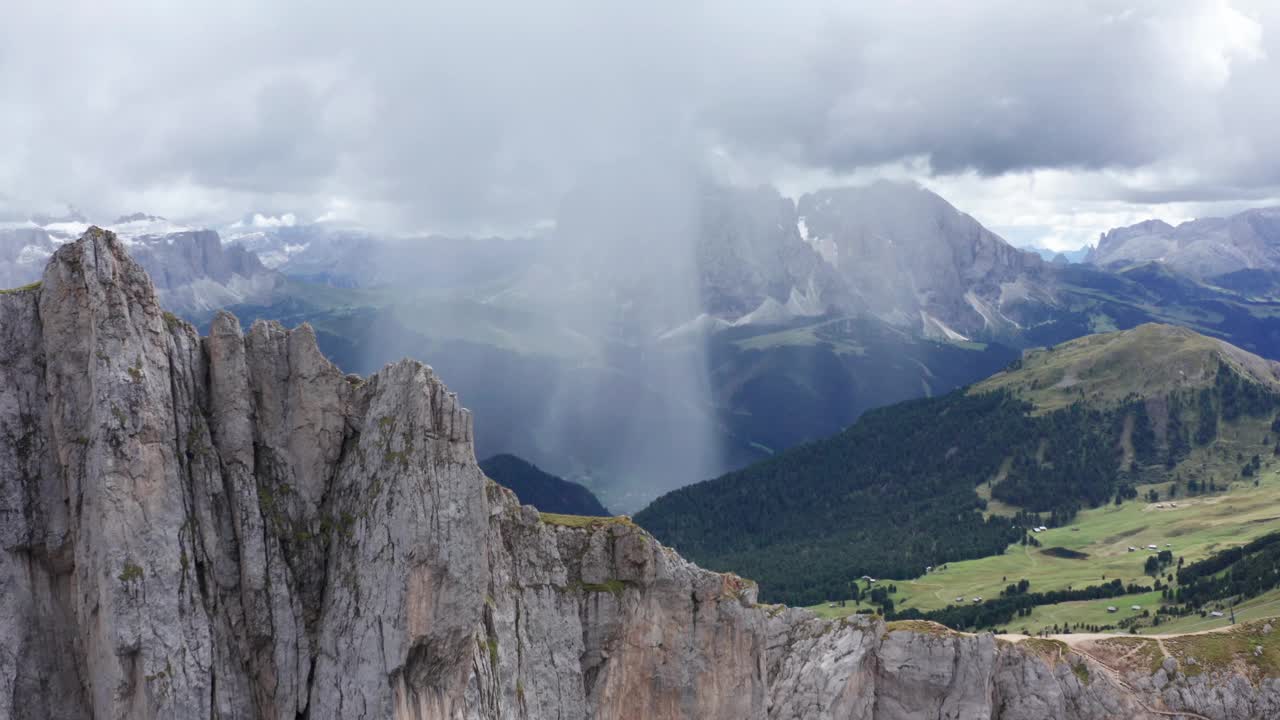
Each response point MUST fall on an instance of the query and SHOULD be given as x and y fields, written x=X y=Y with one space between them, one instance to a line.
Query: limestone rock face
x=194 y=272
x=228 y=527
x=915 y=260
x=1204 y=248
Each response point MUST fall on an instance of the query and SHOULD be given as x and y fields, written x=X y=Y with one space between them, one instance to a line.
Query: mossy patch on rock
x=25 y=288
x=1051 y=650
x=924 y=627
x=614 y=587
x=1244 y=647
x=584 y=521
x=173 y=322
x=1082 y=671
x=131 y=572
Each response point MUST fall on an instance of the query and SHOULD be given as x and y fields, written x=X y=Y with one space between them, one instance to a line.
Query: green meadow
x=1192 y=527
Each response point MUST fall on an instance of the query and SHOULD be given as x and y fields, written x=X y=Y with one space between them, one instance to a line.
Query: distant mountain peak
x=1203 y=248
x=914 y=259
x=138 y=217
x=1059 y=257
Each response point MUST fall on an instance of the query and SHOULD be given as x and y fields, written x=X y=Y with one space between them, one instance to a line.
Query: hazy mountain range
x=666 y=329
x=230 y=526
x=193 y=270
x=1205 y=248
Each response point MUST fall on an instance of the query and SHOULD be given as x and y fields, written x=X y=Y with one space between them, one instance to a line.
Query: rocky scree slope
x=228 y=527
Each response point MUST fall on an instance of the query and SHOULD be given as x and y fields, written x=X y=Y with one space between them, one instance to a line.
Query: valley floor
x=1191 y=527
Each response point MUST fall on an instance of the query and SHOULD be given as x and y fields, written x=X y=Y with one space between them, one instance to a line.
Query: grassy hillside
x=1149 y=361
x=808 y=521
x=1197 y=528
x=1057 y=441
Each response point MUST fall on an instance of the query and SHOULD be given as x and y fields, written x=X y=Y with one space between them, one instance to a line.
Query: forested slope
x=543 y=490
x=896 y=492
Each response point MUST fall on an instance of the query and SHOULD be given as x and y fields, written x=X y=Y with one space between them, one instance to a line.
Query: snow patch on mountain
x=65 y=231
x=824 y=245
x=259 y=220
x=272 y=250
x=139 y=226
x=32 y=254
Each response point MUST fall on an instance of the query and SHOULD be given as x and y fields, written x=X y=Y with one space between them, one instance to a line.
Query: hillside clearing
x=1193 y=527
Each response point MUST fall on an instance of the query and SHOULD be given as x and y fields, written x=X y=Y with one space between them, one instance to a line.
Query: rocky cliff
x=195 y=273
x=192 y=271
x=917 y=261
x=1205 y=248
x=228 y=527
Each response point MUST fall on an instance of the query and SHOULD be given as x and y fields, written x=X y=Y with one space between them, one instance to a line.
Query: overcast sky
x=1048 y=121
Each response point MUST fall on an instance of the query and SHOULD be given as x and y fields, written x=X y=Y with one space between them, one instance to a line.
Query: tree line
x=1241 y=572
x=895 y=493
x=1002 y=610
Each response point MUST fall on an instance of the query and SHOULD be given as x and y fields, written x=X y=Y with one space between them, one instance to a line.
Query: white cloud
x=272 y=221
x=1205 y=41
x=460 y=116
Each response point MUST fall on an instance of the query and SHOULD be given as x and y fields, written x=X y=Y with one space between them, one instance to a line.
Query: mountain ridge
x=787 y=331
x=1203 y=248
x=540 y=489
x=911 y=253
x=193 y=270
x=1148 y=360
x=229 y=527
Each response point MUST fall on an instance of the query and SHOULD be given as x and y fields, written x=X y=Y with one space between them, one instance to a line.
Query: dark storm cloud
x=481 y=113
